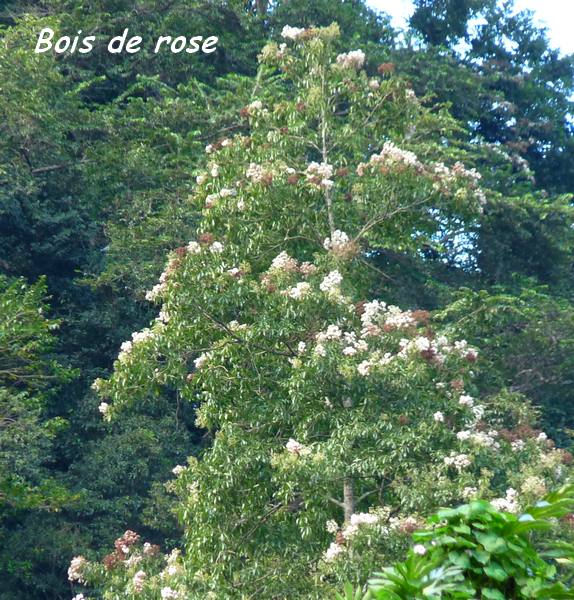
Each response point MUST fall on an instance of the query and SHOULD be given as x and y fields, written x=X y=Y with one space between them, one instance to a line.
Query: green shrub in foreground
x=477 y=551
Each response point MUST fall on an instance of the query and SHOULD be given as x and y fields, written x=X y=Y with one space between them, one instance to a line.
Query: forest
x=290 y=319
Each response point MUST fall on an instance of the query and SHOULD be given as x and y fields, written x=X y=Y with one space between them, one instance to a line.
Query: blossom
x=508 y=503
x=168 y=593
x=283 y=262
x=255 y=172
x=320 y=350
x=458 y=461
x=320 y=174
x=466 y=400
x=150 y=549
x=163 y=316
x=438 y=417
x=337 y=241
x=363 y=519
x=255 y=105
x=138 y=581
x=216 y=247
x=351 y=60
x=214 y=171
x=292 y=33
x=104 y=408
x=307 y=269
x=75 y=569
x=178 y=469
x=227 y=192
x=300 y=290
x=419 y=549
x=295 y=447
x=534 y=486
x=518 y=445
x=97 y=384
x=331 y=282
x=422 y=343
x=364 y=367
x=389 y=156
x=201 y=179
x=155 y=292
x=301 y=347
x=333 y=332
x=333 y=551
x=193 y=247
x=79 y=597
x=478 y=411
x=469 y=492
x=332 y=526
x=210 y=200
x=202 y=360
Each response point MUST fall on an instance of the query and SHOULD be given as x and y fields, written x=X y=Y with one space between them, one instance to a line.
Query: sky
x=556 y=15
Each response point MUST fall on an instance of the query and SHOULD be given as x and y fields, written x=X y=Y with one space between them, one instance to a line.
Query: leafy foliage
x=477 y=550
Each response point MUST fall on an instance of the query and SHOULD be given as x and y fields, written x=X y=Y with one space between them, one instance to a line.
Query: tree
x=322 y=404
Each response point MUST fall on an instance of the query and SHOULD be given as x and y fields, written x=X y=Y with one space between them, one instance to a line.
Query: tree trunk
x=348 y=498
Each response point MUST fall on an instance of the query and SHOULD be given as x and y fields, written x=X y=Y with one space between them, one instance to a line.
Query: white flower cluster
x=138 y=581
x=333 y=551
x=257 y=173
x=458 y=461
x=468 y=493
x=378 y=314
x=137 y=338
x=356 y=522
x=351 y=60
x=438 y=416
x=448 y=176
x=439 y=348
x=202 y=360
x=299 y=292
x=320 y=174
x=75 y=569
x=284 y=262
x=104 y=408
x=292 y=33
x=351 y=345
x=534 y=486
x=486 y=439
x=338 y=241
x=295 y=447
x=212 y=199
x=391 y=155
x=331 y=283
x=375 y=360
x=508 y=503
x=168 y=593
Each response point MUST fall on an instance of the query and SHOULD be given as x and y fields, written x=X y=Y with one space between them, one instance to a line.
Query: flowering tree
x=334 y=418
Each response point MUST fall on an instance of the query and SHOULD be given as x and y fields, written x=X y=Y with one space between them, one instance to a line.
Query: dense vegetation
x=104 y=177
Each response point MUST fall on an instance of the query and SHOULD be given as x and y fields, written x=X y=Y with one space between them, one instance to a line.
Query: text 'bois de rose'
x=123 y=43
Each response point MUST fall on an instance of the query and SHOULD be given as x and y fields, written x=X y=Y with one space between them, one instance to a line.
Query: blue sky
x=556 y=15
